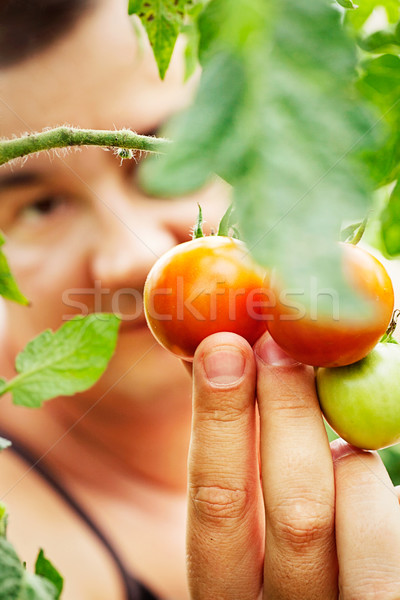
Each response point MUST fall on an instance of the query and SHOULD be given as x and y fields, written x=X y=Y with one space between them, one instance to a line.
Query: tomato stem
x=388 y=336
x=62 y=137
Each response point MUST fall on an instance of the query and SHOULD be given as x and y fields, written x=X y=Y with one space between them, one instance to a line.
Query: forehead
x=99 y=76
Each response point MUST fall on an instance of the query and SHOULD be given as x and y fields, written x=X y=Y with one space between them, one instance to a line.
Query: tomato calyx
x=198 y=227
x=353 y=233
x=387 y=337
x=226 y=228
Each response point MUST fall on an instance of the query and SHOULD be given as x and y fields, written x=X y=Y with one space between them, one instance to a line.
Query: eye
x=45 y=206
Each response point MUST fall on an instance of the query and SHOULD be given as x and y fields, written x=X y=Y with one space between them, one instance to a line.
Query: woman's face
x=81 y=234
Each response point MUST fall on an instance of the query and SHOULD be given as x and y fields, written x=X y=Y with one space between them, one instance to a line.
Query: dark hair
x=27 y=27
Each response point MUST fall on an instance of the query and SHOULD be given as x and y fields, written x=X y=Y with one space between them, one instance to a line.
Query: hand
x=263 y=521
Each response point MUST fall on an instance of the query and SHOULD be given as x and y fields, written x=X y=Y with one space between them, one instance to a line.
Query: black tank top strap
x=134 y=589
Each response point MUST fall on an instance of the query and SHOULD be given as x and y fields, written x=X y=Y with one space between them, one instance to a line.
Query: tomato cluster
x=211 y=284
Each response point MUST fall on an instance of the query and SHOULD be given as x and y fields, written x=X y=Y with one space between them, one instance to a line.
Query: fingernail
x=224 y=366
x=272 y=354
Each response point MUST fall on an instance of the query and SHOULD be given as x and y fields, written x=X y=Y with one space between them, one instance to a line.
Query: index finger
x=225 y=527
x=298 y=480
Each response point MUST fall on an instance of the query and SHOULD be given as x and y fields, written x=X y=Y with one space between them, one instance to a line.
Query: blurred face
x=81 y=234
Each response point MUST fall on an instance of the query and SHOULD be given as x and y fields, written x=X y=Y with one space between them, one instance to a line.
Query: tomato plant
x=204 y=286
x=331 y=340
x=361 y=401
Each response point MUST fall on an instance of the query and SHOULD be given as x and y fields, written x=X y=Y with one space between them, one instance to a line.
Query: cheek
x=48 y=278
x=131 y=371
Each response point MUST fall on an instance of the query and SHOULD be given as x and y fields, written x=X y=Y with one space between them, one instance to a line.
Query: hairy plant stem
x=62 y=137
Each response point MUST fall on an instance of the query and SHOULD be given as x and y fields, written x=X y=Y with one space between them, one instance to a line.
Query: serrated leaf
x=162 y=20
x=16 y=583
x=8 y=286
x=35 y=587
x=65 y=362
x=45 y=568
x=11 y=572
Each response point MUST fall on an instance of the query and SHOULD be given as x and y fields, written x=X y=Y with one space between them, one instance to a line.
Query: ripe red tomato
x=204 y=286
x=332 y=341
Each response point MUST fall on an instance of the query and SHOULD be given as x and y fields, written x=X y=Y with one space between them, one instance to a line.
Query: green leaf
x=191 y=31
x=15 y=582
x=391 y=459
x=163 y=20
x=378 y=41
x=382 y=74
x=11 y=572
x=390 y=223
x=308 y=170
x=3 y=519
x=191 y=49
x=357 y=19
x=132 y=7
x=35 y=587
x=204 y=135
x=8 y=286
x=46 y=569
x=380 y=85
x=347 y=4
x=65 y=362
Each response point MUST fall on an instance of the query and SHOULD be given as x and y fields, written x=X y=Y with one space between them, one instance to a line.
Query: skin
x=122 y=447
x=101 y=233
x=331 y=522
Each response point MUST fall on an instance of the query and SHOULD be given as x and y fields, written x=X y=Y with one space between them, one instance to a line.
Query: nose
x=128 y=242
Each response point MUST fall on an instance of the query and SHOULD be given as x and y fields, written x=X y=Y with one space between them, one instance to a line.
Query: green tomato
x=361 y=401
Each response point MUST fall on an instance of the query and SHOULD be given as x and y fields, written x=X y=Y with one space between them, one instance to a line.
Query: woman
x=79 y=230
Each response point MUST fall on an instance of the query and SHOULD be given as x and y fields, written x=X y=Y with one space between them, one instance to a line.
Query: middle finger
x=298 y=481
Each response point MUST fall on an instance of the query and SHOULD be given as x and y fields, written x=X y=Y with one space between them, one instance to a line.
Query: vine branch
x=62 y=137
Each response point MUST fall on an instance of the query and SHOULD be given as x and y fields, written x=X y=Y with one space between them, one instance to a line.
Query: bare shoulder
x=40 y=518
